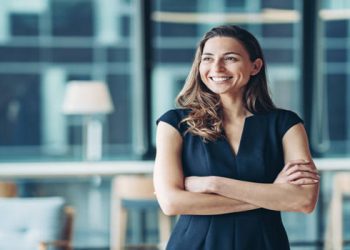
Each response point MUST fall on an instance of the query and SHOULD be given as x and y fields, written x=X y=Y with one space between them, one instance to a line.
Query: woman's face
x=225 y=66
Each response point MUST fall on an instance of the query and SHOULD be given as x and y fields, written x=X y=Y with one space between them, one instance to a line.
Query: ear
x=257 y=64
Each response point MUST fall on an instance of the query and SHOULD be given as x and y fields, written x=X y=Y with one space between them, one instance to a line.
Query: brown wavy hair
x=206 y=116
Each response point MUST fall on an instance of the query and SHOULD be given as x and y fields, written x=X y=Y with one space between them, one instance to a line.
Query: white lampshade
x=87 y=97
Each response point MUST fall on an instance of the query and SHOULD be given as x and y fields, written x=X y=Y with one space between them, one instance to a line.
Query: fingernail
x=315 y=180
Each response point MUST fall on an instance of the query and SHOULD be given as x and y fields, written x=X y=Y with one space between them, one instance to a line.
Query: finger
x=304 y=181
x=289 y=165
x=301 y=174
x=295 y=162
x=304 y=168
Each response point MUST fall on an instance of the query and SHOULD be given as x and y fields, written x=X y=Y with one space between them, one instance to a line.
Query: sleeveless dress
x=259 y=159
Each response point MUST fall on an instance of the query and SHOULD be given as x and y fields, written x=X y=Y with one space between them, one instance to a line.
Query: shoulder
x=174 y=117
x=282 y=120
x=281 y=115
x=174 y=114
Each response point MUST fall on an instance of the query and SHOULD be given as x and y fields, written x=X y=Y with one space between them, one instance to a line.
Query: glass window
x=331 y=115
x=24 y=24
x=71 y=55
x=9 y=53
x=72 y=18
x=20 y=109
x=51 y=42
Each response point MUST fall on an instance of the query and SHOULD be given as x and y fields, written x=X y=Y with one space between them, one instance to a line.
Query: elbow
x=308 y=204
x=302 y=207
x=169 y=210
x=308 y=208
x=306 y=199
x=169 y=206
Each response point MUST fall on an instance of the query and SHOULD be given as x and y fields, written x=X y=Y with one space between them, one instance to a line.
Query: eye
x=206 y=59
x=231 y=59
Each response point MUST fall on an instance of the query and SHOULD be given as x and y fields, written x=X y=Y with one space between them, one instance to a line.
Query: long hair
x=206 y=116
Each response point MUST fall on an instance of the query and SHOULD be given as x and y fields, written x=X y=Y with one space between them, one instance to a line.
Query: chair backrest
x=68 y=224
x=25 y=222
x=134 y=187
x=8 y=189
x=334 y=238
x=133 y=192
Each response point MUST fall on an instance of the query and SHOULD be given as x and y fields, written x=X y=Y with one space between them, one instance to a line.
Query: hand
x=197 y=184
x=298 y=172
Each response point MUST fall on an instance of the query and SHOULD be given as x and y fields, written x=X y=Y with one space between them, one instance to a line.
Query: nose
x=218 y=65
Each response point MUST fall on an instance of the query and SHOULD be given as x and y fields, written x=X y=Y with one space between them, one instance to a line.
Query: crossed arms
x=295 y=188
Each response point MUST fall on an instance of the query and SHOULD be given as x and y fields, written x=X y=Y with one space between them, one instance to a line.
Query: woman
x=228 y=161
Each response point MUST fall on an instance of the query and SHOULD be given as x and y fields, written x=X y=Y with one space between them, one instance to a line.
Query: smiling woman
x=227 y=160
x=225 y=66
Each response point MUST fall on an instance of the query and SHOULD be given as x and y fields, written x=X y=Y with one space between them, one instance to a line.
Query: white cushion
x=24 y=222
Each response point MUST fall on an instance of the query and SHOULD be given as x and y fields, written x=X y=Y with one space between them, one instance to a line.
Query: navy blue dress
x=259 y=159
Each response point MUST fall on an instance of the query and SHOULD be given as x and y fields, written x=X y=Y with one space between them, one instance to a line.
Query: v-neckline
x=235 y=154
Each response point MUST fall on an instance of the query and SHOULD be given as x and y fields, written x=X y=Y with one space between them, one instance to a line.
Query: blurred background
x=142 y=50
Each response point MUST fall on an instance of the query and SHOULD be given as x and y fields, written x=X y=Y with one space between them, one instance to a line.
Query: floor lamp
x=89 y=99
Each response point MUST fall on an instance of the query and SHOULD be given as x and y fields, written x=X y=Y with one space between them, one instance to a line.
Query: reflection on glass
x=55 y=41
x=331 y=138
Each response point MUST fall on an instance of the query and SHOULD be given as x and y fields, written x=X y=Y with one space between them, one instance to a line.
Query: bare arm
x=277 y=196
x=169 y=181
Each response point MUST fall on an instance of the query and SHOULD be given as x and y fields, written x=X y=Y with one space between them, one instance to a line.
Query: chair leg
x=334 y=233
x=121 y=234
x=42 y=246
x=118 y=226
x=164 y=228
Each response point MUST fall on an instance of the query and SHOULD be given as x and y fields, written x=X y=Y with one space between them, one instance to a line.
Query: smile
x=220 y=79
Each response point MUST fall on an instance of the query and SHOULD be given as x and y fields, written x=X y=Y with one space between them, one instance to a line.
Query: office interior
x=141 y=52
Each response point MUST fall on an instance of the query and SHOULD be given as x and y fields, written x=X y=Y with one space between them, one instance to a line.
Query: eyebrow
x=227 y=53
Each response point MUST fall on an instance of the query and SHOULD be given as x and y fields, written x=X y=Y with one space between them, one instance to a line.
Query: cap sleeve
x=286 y=120
x=173 y=117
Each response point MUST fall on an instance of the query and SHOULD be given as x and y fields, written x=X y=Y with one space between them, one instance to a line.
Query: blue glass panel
x=19 y=54
x=19 y=109
x=336 y=28
x=72 y=18
x=70 y=55
x=277 y=30
x=24 y=24
x=336 y=91
x=120 y=119
x=118 y=54
x=336 y=55
x=175 y=55
x=279 y=55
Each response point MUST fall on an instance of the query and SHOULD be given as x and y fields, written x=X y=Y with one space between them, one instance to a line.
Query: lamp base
x=93 y=145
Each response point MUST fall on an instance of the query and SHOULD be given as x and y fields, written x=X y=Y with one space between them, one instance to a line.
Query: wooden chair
x=35 y=223
x=334 y=231
x=129 y=191
x=66 y=242
x=8 y=189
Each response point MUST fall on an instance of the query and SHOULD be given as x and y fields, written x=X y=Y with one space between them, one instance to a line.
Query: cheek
x=243 y=71
x=202 y=72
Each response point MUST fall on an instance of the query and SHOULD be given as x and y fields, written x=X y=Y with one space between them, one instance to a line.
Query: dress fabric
x=259 y=159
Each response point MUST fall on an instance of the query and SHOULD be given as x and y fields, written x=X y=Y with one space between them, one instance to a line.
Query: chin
x=220 y=91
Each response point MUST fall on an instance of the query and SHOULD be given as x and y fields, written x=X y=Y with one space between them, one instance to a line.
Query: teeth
x=220 y=79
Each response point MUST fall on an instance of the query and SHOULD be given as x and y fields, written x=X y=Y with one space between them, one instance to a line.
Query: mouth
x=220 y=78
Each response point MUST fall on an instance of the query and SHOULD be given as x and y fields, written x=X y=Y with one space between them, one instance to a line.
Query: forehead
x=221 y=45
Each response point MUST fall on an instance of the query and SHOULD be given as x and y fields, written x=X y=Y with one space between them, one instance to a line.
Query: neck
x=233 y=108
